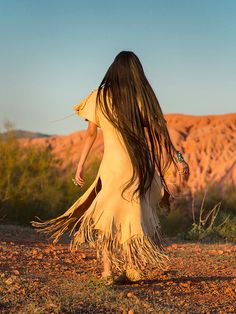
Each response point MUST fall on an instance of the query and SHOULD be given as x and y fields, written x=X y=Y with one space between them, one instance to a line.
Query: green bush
x=210 y=223
x=216 y=194
x=228 y=230
x=175 y=223
x=32 y=183
x=206 y=216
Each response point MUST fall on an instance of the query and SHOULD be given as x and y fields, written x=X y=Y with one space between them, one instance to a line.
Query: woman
x=118 y=212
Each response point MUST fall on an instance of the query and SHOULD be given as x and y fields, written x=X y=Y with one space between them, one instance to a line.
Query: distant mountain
x=23 y=134
x=208 y=143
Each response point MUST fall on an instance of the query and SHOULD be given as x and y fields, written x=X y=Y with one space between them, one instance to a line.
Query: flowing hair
x=136 y=114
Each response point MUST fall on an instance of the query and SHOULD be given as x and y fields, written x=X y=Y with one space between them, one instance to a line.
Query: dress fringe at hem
x=141 y=249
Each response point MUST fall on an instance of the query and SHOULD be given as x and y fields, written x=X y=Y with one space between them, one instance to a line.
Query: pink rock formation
x=208 y=144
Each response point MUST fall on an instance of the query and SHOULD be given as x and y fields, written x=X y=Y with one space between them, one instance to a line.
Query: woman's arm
x=90 y=137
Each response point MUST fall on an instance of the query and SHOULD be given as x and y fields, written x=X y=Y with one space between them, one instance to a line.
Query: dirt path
x=38 y=277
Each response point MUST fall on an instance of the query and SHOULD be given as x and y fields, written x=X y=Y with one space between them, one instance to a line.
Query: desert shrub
x=32 y=183
x=216 y=194
x=228 y=229
x=210 y=223
x=175 y=223
x=215 y=214
x=28 y=180
x=208 y=215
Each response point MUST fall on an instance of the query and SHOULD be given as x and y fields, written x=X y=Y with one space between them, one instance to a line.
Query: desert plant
x=217 y=193
x=228 y=229
x=29 y=180
x=175 y=223
x=32 y=183
x=205 y=225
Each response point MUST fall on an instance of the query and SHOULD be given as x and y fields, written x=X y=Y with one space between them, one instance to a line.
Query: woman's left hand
x=185 y=170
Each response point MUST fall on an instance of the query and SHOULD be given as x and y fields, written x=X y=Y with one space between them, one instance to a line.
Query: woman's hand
x=90 y=137
x=79 y=176
x=185 y=170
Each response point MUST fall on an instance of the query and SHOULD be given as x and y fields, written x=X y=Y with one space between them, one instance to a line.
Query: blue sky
x=53 y=53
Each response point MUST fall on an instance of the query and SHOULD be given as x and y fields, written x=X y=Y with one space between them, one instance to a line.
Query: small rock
x=184 y=284
x=47 y=250
x=51 y=305
x=130 y=295
x=212 y=252
x=34 y=252
x=9 y=281
x=231 y=309
x=40 y=256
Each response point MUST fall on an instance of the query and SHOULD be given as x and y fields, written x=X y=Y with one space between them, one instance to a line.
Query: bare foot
x=133 y=275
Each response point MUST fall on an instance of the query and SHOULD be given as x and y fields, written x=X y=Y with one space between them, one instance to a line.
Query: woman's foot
x=133 y=275
x=129 y=275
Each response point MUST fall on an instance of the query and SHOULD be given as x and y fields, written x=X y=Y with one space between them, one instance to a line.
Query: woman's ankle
x=107 y=273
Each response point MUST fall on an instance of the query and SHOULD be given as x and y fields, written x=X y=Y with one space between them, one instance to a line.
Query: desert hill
x=207 y=142
x=23 y=134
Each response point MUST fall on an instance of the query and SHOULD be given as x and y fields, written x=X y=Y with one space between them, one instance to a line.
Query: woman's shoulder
x=87 y=108
x=90 y=97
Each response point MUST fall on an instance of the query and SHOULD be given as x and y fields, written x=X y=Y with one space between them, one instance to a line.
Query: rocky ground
x=38 y=277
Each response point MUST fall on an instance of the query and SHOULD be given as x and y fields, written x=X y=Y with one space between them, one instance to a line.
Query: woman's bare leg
x=107 y=270
x=131 y=273
x=129 y=262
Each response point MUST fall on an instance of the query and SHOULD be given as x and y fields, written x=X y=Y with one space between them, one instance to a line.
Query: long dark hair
x=134 y=106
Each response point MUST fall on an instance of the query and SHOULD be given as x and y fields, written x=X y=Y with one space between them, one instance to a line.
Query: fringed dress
x=104 y=219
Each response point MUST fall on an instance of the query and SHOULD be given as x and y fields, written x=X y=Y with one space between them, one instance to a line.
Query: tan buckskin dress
x=101 y=217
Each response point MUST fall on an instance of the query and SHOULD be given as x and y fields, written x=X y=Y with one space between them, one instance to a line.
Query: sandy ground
x=38 y=277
